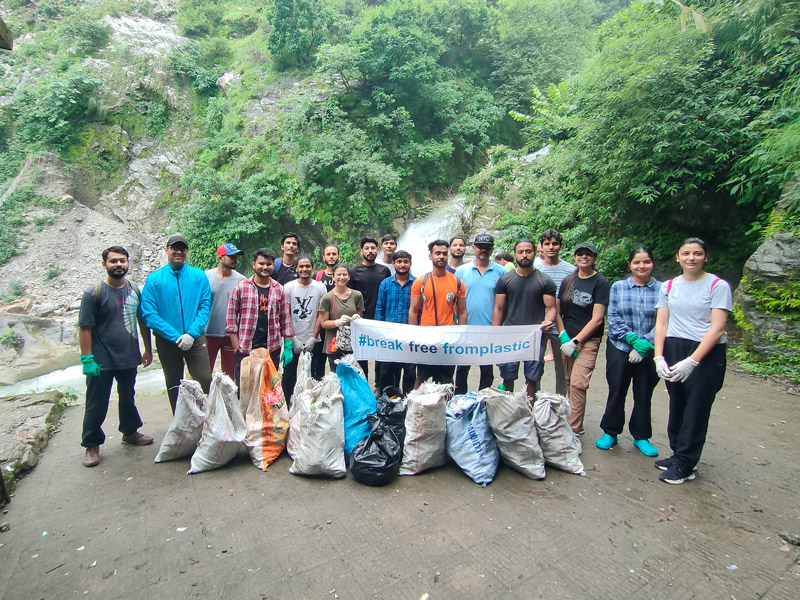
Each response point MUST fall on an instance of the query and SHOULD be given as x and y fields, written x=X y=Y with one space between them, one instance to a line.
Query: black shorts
x=435 y=372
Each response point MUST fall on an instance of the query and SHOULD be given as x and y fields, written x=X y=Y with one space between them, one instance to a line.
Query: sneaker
x=676 y=474
x=606 y=441
x=664 y=463
x=92 y=457
x=645 y=447
x=137 y=439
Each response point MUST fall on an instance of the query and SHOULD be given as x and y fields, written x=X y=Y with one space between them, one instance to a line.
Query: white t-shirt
x=690 y=304
x=304 y=305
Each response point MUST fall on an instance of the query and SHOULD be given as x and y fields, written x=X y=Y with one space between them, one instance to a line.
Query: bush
x=11 y=339
x=51 y=272
x=84 y=33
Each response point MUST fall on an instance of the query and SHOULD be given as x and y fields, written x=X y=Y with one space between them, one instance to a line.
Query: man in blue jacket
x=176 y=301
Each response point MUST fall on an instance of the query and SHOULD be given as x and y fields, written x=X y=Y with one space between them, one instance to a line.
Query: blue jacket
x=176 y=302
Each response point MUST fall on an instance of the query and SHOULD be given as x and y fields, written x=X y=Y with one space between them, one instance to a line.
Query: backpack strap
x=278 y=265
x=318 y=276
x=98 y=287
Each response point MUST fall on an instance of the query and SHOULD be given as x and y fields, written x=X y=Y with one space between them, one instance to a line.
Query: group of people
x=673 y=330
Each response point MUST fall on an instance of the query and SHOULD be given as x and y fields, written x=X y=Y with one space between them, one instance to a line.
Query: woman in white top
x=690 y=348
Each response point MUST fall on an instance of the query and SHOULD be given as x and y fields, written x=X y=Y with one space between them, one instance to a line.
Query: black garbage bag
x=392 y=411
x=376 y=460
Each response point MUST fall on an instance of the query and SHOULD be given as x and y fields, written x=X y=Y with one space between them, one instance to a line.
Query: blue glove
x=287 y=355
x=90 y=368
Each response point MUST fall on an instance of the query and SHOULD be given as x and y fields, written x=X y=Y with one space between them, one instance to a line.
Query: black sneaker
x=676 y=474
x=663 y=463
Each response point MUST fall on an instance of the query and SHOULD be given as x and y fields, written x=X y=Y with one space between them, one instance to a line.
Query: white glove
x=634 y=357
x=355 y=316
x=185 y=342
x=568 y=348
x=343 y=320
x=308 y=345
x=662 y=368
x=682 y=370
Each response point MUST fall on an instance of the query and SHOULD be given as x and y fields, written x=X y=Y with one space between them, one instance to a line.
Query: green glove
x=90 y=368
x=287 y=355
x=563 y=337
x=631 y=337
x=643 y=347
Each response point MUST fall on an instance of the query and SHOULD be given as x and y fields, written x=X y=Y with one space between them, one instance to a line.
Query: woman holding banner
x=336 y=309
x=583 y=298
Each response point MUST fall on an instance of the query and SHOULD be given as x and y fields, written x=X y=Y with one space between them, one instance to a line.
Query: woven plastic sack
x=358 y=403
x=304 y=381
x=424 y=447
x=560 y=446
x=513 y=426
x=316 y=432
x=350 y=359
x=266 y=415
x=186 y=428
x=223 y=430
x=470 y=442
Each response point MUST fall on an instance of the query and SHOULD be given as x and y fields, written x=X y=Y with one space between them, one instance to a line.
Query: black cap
x=586 y=246
x=177 y=239
x=483 y=238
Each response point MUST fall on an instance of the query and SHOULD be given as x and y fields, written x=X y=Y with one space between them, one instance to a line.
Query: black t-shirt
x=367 y=280
x=578 y=300
x=262 y=326
x=325 y=280
x=283 y=274
x=112 y=317
x=524 y=297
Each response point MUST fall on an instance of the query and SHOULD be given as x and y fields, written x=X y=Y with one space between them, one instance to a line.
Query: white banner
x=447 y=345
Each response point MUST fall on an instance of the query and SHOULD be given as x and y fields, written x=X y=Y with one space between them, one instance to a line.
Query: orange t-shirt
x=447 y=291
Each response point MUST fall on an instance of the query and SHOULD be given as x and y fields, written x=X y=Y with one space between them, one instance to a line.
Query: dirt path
x=116 y=531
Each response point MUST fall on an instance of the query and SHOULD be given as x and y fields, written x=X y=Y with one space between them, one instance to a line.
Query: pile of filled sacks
x=337 y=422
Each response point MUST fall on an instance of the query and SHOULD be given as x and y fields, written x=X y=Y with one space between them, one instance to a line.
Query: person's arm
x=413 y=311
x=198 y=325
x=285 y=315
x=719 y=317
x=85 y=339
x=598 y=313
x=147 y=342
x=662 y=320
x=559 y=321
x=499 y=310
x=549 y=311
x=325 y=320
x=380 y=312
x=317 y=327
x=617 y=327
x=149 y=307
x=232 y=317
x=461 y=310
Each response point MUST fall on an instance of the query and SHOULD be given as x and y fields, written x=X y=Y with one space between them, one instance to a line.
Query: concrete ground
x=130 y=528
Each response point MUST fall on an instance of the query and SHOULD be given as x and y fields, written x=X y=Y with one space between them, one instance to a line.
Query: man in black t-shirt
x=524 y=296
x=366 y=278
x=330 y=256
x=285 y=269
x=109 y=344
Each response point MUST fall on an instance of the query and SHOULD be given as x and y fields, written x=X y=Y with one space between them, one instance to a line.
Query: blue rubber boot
x=645 y=447
x=606 y=442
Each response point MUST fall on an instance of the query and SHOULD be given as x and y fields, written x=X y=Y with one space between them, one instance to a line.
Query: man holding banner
x=437 y=299
x=524 y=296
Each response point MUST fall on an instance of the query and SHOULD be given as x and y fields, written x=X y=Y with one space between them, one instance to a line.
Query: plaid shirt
x=242 y=315
x=394 y=300
x=632 y=308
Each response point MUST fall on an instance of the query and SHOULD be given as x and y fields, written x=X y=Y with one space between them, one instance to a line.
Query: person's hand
x=185 y=342
x=90 y=368
x=147 y=358
x=288 y=353
x=355 y=316
x=308 y=345
x=643 y=347
x=630 y=338
x=682 y=369
x=662 y=368
x=546 y=325
x=634 y=357
x=569 y=348
x=343 y=320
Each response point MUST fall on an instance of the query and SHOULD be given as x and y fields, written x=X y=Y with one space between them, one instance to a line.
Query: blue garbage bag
x=358 y=403
x=470 y=441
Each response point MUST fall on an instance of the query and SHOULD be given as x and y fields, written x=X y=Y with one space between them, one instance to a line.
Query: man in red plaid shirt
x=259 y=314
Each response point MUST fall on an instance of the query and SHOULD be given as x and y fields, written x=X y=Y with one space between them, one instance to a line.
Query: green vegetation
x=11 y=339
x=51 y=272
x=12 y=292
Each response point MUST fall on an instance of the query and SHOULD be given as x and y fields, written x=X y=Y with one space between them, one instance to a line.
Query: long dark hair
x=566 y=289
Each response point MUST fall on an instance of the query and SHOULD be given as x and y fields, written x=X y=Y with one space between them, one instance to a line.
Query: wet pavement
x=130 y=528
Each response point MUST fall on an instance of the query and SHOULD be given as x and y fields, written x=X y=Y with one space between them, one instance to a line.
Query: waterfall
x=443 y=222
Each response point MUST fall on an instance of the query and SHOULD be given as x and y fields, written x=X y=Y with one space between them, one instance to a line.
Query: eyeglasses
x=582 y=253
x=179 y=248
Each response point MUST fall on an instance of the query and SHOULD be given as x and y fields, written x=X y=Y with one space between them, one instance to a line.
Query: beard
x=114 y=273
x=524 y=263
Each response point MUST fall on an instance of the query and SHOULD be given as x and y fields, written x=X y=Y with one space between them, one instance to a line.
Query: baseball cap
x=483 y=238
x=586 y=246
x=227 y=250
x=177 y=239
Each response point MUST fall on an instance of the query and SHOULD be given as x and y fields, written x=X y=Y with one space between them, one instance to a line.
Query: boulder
x=6 y=37
x=766 y=301
x=18 y=307
x=41 y=345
